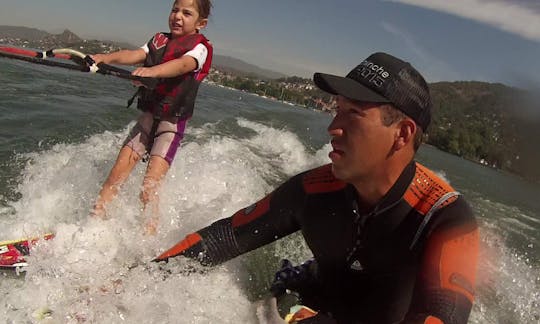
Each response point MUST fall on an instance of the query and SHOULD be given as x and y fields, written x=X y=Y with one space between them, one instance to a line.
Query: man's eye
x=355 y=111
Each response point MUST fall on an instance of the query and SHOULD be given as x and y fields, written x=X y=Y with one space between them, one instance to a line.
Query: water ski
x=12 y=253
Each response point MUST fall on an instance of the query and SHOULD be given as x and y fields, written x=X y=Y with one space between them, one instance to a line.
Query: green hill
x=493 y=124
x=490 y=123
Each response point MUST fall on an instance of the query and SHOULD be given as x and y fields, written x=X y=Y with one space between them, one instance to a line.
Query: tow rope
x=83 y=62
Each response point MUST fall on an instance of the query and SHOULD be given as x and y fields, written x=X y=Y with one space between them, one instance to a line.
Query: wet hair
x=204 y=6
x=391 y=115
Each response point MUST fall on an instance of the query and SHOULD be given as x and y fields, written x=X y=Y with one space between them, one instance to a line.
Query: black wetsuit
x=411 y=258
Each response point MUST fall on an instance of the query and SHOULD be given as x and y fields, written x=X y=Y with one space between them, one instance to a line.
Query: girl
x=181 y=59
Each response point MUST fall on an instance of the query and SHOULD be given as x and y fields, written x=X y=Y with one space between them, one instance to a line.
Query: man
x=392 y=242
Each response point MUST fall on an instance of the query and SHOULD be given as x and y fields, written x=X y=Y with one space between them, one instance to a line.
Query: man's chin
x=338 y=172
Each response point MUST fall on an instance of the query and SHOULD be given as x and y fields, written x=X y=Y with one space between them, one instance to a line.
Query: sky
x=446 y=40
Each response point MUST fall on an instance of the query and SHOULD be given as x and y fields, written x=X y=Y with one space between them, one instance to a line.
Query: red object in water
x=12 y=253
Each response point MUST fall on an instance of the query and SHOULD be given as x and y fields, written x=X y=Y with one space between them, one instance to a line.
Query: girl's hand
x=144 y=72
x=99 y=58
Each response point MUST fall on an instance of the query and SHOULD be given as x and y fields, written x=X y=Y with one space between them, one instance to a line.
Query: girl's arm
x=124 y=57
x=170 y=69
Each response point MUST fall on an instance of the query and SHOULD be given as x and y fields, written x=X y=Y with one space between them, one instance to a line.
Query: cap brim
x=346 y=87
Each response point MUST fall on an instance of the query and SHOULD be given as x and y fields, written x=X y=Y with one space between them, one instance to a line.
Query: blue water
x=60 y=133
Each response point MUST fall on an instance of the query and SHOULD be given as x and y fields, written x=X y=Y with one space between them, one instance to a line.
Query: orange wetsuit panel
x=322 y=180
x=453 y=255
x=426 y=189
x=183 y=245
x=252 y=212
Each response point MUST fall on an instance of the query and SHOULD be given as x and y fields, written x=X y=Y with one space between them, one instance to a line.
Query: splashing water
x=98 y=270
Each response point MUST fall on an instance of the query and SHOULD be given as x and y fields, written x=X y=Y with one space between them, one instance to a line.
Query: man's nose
x=334 y=129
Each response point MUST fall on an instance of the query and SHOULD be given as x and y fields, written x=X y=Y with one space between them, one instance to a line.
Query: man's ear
x=405 y=131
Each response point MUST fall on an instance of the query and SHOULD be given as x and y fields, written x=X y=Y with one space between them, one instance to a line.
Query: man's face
x=361 y=143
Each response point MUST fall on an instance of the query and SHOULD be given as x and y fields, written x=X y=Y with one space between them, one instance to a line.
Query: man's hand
x=296 y=278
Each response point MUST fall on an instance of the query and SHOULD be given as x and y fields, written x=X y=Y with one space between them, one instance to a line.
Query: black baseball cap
x=386 y=79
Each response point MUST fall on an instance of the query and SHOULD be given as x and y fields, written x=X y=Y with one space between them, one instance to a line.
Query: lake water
x=60 y=133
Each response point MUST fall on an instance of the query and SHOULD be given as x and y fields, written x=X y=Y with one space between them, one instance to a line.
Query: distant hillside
x=43 y=38
x=31 y=34
x=39 y=39
x=233 y=65
x=67 y=37
x=488 y=122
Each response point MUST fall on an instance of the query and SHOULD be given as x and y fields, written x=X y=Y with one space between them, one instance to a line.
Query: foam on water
x=508 y=282
x=99 y=270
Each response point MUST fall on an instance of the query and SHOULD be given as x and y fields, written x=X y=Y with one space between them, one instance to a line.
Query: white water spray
x=98 y=271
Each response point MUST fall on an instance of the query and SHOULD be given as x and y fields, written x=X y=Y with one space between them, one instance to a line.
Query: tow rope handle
x=89 y=61
x=84 y=63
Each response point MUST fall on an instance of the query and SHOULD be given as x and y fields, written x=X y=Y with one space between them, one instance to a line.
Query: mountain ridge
x=225 y=63
x=490 y=123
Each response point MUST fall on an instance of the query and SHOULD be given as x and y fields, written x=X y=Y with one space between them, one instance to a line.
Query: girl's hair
x=204 y=7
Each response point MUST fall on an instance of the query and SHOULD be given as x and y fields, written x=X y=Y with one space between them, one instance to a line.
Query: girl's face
x=184 y=18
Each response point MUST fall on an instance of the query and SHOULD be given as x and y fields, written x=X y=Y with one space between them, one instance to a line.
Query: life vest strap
x=428 y=215
x=135 y=95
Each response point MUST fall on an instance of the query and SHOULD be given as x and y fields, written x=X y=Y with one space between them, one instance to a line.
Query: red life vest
x=173 y=96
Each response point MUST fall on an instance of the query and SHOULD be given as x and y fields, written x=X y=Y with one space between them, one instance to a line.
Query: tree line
x=489 y=123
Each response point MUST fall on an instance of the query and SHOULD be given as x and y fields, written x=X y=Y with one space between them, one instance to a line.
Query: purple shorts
x=167 y=139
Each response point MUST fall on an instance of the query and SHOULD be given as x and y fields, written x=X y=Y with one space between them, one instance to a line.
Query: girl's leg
x=126 y=161
x=157 y=168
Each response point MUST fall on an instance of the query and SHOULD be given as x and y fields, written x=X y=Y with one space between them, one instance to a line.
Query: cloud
x=433 y=68
x=520 y=17
x=407 y=38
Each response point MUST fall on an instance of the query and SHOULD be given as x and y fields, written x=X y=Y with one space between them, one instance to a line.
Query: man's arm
x=267 y=220
x=444 y=292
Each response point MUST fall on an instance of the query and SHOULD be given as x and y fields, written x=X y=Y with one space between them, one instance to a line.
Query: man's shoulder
x=321 y=180
x=429 y=190
x=459 y=211
x=435 y=179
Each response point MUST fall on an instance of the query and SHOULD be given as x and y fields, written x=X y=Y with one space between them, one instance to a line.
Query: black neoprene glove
x=301 y=279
